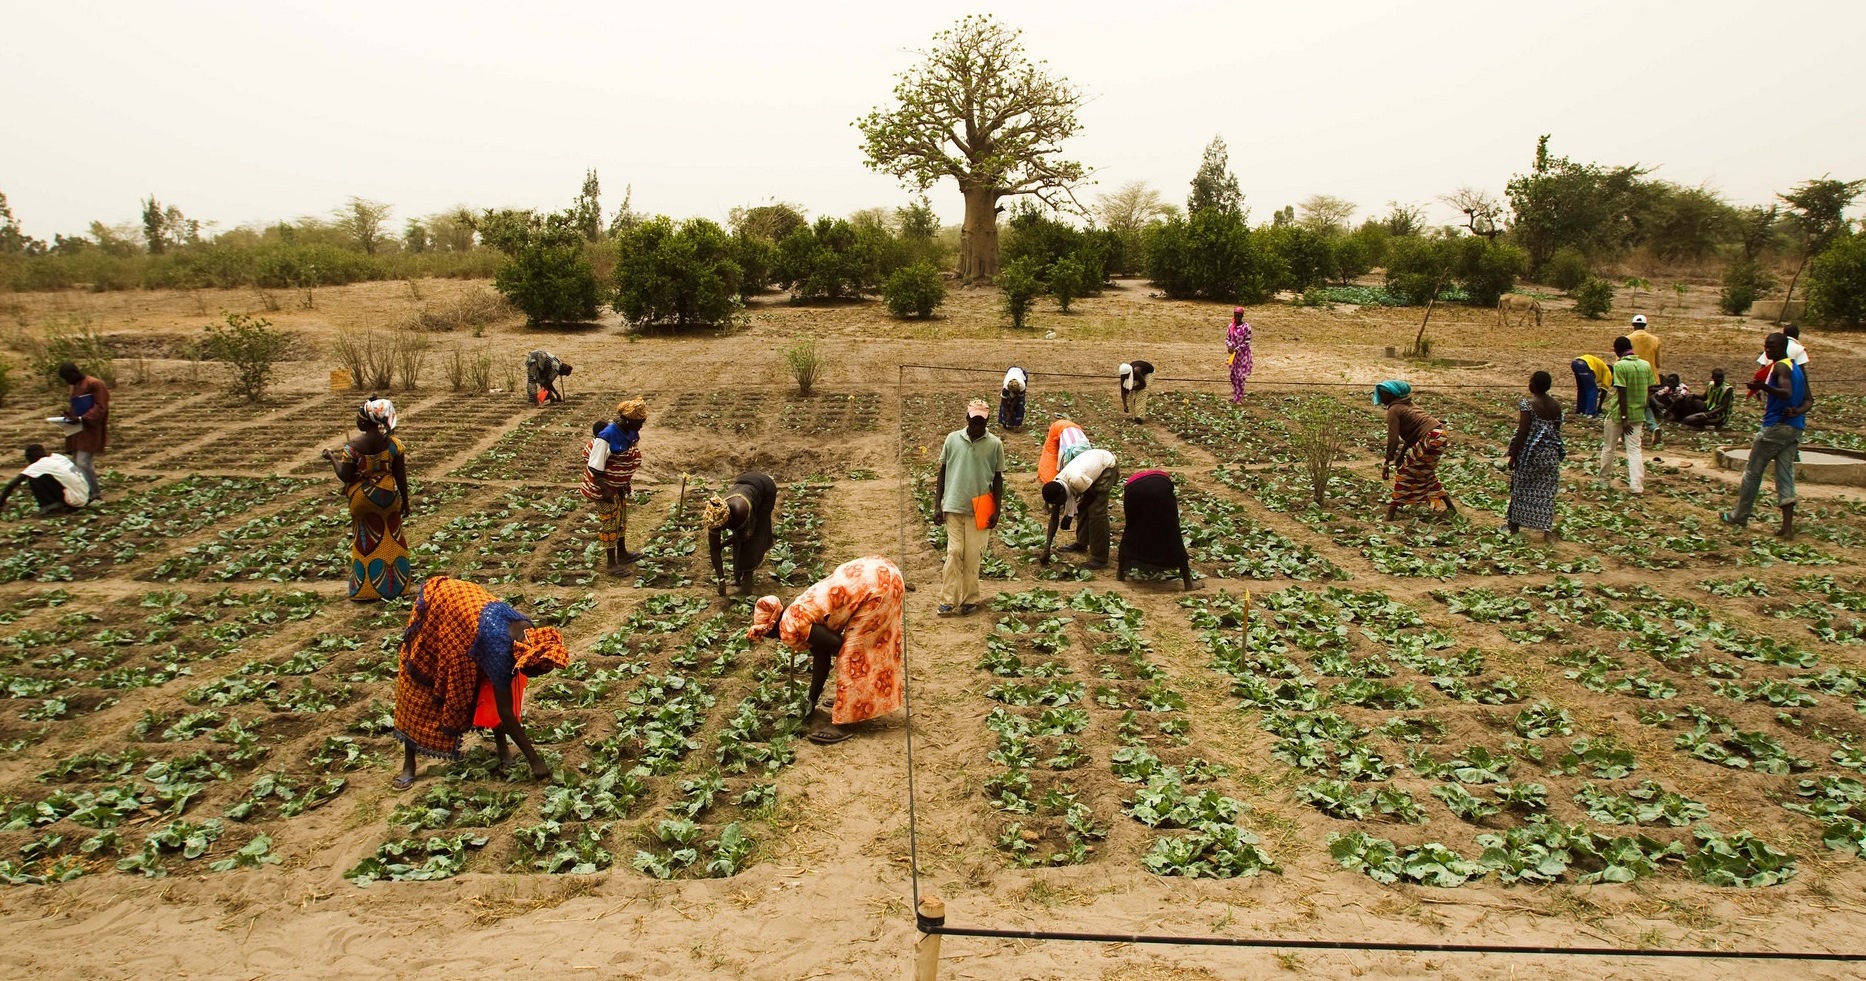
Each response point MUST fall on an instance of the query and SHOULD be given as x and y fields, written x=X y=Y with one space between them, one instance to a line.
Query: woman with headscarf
x=464 y=659
x=745 y=515
x=374 y=472
x=1150 y=537
x=1011 y=397
x=613 y=456
x=1237 y=341
x=1062 y=444
x=853 y=618
x=1536 y=453
x=1133 y=376
x=1415 y=441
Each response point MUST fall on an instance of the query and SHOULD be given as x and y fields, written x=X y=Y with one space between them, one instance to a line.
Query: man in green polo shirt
x=1625 y=412
x=971 y=465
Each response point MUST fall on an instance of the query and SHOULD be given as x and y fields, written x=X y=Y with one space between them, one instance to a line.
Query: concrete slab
x=1817 y=464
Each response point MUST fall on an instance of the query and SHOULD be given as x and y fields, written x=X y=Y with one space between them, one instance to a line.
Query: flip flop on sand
x=402 y=781
x=829 y=736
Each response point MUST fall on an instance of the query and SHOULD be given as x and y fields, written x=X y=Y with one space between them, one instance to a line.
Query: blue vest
x=1775 y=413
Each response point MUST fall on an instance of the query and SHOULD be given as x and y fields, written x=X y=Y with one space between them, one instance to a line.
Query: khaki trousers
x=1137 y=404
x=965 y=549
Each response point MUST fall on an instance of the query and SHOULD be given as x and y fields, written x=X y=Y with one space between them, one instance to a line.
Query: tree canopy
x=979 y=111
x=1214 y=186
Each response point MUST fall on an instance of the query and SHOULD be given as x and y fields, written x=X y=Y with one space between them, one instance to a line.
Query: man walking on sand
x=1626 y=407
x=1779 y=440
x=971 y=466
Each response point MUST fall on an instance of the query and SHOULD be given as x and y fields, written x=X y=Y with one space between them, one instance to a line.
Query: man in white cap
x=971 y=467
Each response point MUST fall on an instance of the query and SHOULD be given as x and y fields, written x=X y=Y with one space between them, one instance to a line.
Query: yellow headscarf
x=717 y=514
x=634 y=410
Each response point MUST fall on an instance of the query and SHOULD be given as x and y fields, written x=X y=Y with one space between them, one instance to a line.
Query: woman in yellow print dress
x=376 y=482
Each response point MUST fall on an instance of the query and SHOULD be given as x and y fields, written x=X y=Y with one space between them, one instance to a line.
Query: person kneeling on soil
x=56 y=482
x=1080 y=492
x=463 y=649
x=853 y=618
x=744 y=514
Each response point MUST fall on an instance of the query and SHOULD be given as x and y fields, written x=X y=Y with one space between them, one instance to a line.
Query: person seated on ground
x=1133 y=376
x=1064 y=441
x=853 y=618
x=744 y=514
x=1011 y=397
x=464 y=647
x=1080 y=492
x=542 y=369
x=1670 y=390
x=1150 y=537
x=1717 y=401
x=57 y=485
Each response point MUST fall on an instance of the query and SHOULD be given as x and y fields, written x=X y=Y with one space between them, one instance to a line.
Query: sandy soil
x=829 y=891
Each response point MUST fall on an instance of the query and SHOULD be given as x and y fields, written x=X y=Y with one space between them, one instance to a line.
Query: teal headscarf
x=1390 y=391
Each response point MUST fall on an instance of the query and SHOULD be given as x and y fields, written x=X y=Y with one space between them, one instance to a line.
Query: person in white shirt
x=1080 y=492
x=57 y=484
x=1796 y=353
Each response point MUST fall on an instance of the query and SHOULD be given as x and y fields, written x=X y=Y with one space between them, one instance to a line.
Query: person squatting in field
x=57 y=485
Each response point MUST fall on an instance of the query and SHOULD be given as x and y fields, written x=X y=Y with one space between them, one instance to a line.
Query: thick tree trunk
x=978 y=237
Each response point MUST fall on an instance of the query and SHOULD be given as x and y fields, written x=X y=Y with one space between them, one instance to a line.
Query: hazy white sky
x=239 y=111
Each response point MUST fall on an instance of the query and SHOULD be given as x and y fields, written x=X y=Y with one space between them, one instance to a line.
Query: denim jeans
x=1779 y=444
x=87 y=465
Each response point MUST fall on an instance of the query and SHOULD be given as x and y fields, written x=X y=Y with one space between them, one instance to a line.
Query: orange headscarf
x=765 y=617
x=540 y=651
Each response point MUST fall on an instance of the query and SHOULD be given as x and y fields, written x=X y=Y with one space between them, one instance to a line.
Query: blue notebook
x=80 y=404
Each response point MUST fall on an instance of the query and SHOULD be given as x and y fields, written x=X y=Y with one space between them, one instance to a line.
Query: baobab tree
x=979 y=111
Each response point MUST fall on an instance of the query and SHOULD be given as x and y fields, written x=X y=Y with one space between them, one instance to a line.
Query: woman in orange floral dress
x=853 y=618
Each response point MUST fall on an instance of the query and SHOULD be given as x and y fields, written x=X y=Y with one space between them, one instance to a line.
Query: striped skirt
x=1417 y=479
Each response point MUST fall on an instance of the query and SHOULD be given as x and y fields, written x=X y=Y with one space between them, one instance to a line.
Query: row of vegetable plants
x=1384 y=719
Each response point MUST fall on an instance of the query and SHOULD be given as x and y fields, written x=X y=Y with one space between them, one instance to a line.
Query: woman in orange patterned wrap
x=853 y=618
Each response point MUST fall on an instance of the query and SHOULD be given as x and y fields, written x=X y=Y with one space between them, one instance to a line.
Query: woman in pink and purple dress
x=1237 y=341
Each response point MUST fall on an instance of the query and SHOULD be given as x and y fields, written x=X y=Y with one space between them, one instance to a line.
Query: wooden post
x=681 y=506
x=1244 y=631
x=926 y=953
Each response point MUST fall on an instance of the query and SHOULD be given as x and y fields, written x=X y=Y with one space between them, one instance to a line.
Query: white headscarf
x=381 y=412
x=1127 y=375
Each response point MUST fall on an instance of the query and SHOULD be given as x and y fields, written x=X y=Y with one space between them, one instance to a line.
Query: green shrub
x=1743 y=284
x=756 y=258
x=6 y=379
x=913 y=291
x=1837 y=282
x=251 y=351
x=826 y=261
x=1212 y=255
x=681 y=275
x=1417 y=268
x=547 y=274
x=1593 y=298
x=1486 y=270
x=71 y=340
x=1567 y=269
x=1019 y=283
x=1033 y=233
x=1300 y=257
x=1354 y=256
x=1068 y=280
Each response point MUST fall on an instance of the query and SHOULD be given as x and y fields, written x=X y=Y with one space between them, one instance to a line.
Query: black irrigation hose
x=1259 y=383
x=936 y=926
x=940 y=929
